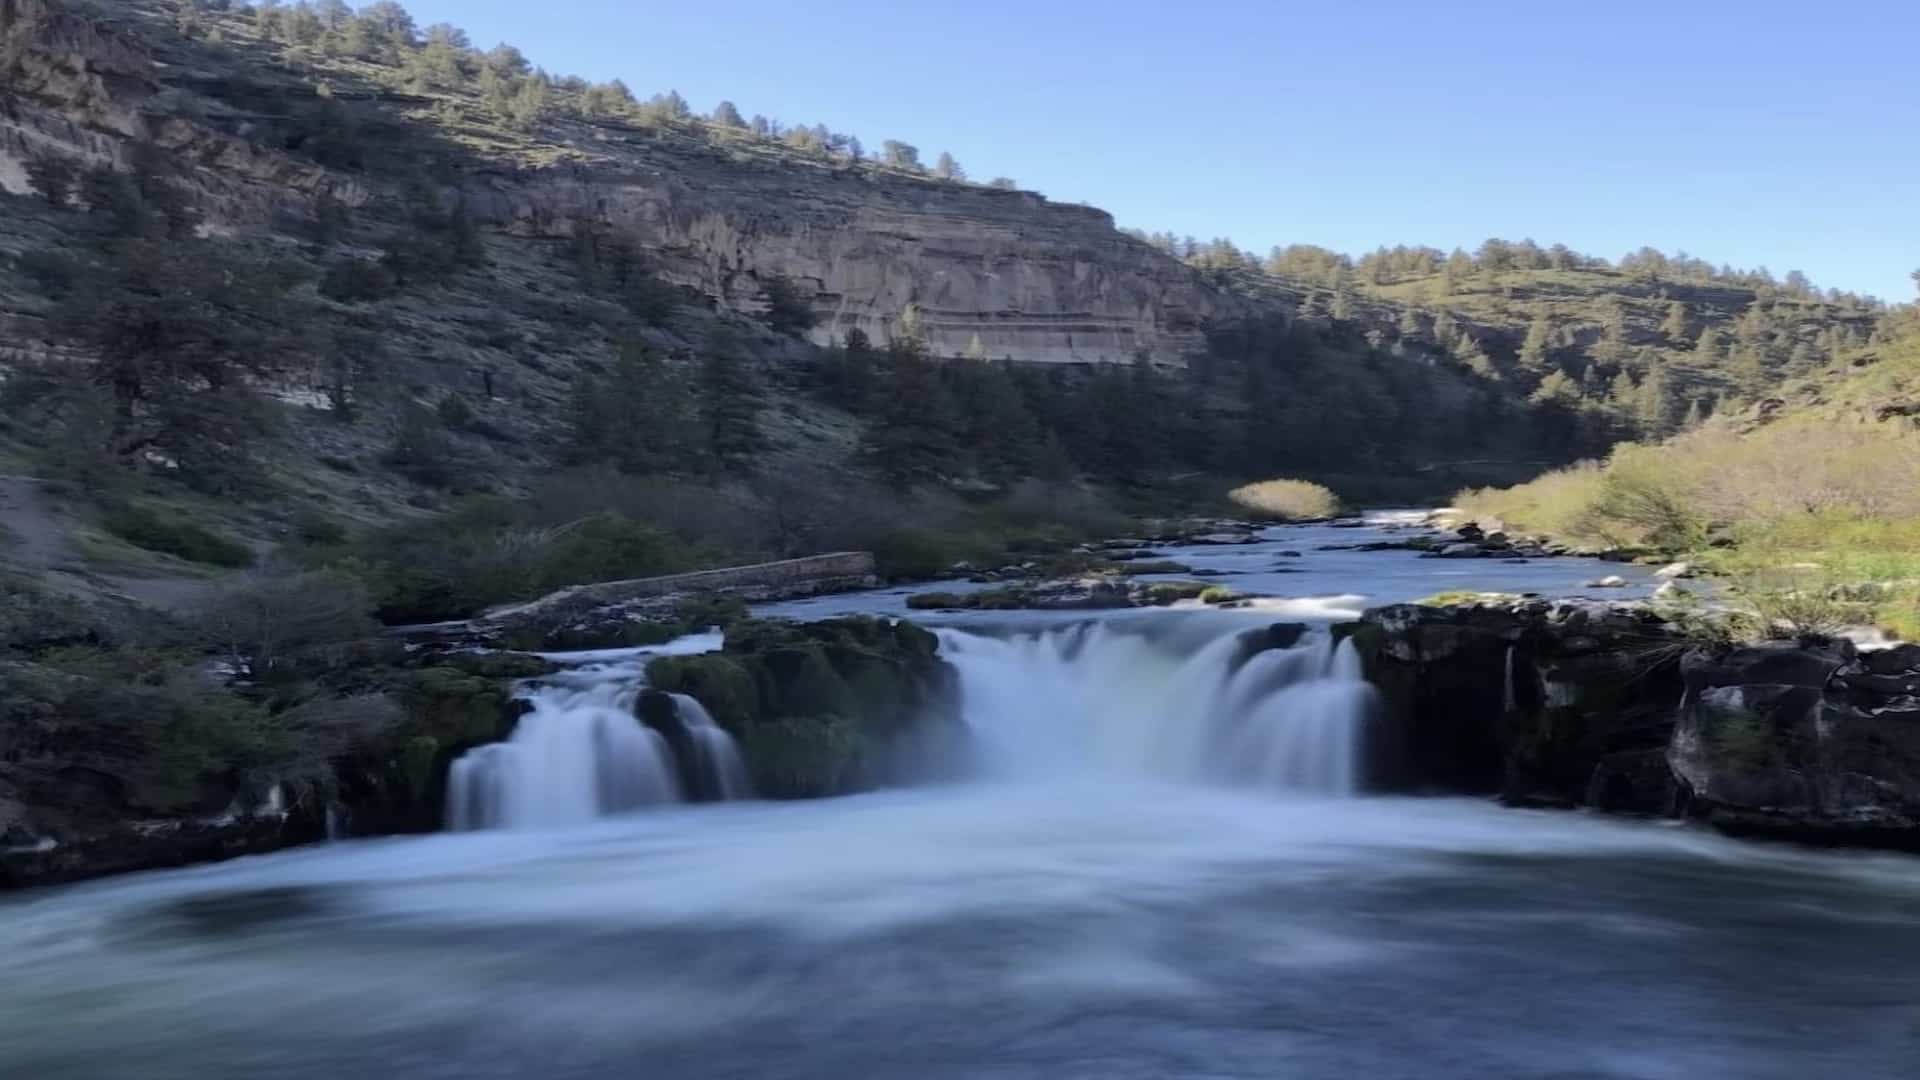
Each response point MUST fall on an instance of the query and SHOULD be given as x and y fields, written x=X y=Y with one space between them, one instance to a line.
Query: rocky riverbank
x=1612 y=708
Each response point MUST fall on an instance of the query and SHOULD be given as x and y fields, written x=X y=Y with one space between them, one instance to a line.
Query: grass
x=1813 y=522
x=1464 y=598
x=167 y=534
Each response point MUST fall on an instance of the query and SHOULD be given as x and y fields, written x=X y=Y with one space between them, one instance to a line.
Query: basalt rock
x=1611 y=708
x=828 y=707
x=1803 y=742
x=1525 y=700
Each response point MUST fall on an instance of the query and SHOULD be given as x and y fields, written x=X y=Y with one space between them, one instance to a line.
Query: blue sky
x=1753 y=133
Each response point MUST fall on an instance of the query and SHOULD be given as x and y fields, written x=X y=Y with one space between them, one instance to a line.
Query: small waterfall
x=1105 y=698
x=716 y=758
x=581 y=753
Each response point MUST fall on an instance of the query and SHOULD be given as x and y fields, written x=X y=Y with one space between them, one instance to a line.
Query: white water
x=716 y=757
x=1110 y=698
x=580 y=753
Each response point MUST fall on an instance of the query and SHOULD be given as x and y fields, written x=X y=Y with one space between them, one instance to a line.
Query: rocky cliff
x=1612 y=708
x=993 y=272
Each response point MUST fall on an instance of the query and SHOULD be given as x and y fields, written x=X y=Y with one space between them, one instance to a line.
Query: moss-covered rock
x=819 y=708
x=718 y=681
x=802 y=757
x=396 y=782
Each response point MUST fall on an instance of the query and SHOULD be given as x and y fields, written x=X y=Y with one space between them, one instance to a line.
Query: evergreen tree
x=945 y=168
x=900 y=155
x=1676 y=326
x=638 y=417
x=729 y=406
x=1533 y=350
x=726 y=114
x=914 y=435
x=1706 y=349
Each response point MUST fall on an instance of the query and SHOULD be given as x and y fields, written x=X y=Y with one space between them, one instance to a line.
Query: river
x=1120 y=892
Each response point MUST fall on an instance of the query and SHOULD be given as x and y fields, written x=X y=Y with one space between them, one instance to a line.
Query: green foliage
x=638 y=417
x=788 y=312
x=423 y=452
x=153 y=530
x=144 y=719
x=485 y=553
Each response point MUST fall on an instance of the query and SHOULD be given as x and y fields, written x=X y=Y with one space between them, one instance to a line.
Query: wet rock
x=825 y=708
x=1611 y=581
x=1801 y=742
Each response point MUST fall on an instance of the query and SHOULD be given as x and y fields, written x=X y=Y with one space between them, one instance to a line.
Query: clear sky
x=1751 y=132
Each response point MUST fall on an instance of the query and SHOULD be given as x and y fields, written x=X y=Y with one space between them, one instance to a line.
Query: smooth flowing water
x=578 y=755
x=1161 y=870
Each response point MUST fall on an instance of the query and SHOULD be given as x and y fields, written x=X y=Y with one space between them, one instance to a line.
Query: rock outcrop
x=994 y=272
x=1807 y=742
x=1611 y=708
x=824 y=708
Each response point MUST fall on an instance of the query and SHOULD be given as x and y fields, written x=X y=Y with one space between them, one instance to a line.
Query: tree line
x=444 y=57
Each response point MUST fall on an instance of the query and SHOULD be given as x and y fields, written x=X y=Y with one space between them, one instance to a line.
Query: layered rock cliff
x=999 y=273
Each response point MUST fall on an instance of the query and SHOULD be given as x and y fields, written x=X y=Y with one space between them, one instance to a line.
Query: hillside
x=298 y=277
x=1638 y=348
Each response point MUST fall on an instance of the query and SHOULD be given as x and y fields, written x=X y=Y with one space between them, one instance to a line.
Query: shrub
x=266 y=625
x=484 y=553
x=1287 y=500
x=187 y=540
x=933 y=601
x=357 y=281
x=1218 y=594
x=914 y=554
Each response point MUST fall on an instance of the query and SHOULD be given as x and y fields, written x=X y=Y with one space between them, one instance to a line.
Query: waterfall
x=716 y=758
x=1108 y=698
x=581 y=753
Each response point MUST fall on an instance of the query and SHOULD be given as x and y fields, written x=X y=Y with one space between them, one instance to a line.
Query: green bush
x=146 y=528
x=914 y=554
x=482 y=554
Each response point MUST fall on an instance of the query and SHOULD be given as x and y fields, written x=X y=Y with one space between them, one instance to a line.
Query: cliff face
x=1005 y=274
x=999 y=273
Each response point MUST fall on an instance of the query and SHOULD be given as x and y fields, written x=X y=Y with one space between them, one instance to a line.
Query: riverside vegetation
x=1808 y=503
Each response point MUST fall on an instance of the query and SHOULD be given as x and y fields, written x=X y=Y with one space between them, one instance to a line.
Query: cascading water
x=1104 y=697
x=580 y=753
x=716 y=758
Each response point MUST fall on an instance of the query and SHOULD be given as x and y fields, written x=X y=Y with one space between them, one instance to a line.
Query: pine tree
x=729 y=407
x=1706 y=349
x=726 y=114
x=1654 y=408
x=1677 y=324
x=915 y=435
x=945 y=168
x=1533 y=350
